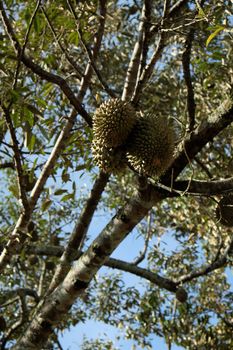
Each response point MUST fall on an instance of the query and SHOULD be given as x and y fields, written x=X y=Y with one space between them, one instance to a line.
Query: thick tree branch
x=146 y=73
x=197 y=140
x=146 y=36
x=154 y=278
x=134 y=64
x=19 y=234
x=205 y=187
x=161 y=43
x=79 y=232
x=148 y=70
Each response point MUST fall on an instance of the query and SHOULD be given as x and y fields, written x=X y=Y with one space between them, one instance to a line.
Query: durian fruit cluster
x=123 y=137
x=224 y=210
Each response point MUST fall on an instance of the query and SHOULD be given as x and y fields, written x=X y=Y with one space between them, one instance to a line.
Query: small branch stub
x=224 y=211
x=181 y=295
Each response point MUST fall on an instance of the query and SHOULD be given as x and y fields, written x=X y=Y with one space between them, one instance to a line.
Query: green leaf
x=74 y=38
x=67 y=197
x=43 y=132
x=59 y=192
x=46 y=204
x=32 y=143
x=214 y=34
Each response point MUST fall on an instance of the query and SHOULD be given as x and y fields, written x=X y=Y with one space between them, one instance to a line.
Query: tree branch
x=191 y=105
x=94 y=54
x=205 y=187
x=78 y=235
x=148 y=69
x=175 y=9
x=154 y=278
x=146 y=35
x=19 y=234
x=9 y=294
x=197 y=140
x=22 y=319
x=43 y=74
x=7 y=165
x=134 y=64
x=67 y=56
x=216 y=264
x=142 y=254
x=17 y=158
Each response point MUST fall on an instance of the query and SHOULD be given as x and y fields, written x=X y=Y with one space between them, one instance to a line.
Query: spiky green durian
x=224 y=210
x=150 y=147
x=112 y=122
x=109 y=159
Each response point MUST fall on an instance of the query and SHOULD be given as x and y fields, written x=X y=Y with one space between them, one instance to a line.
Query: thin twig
x=175 y=9
x=214 y=265
x=92 y=55
x=58 y=41
x=142 y=255
x=21 y=53
x=22 y=319
x=204 y=167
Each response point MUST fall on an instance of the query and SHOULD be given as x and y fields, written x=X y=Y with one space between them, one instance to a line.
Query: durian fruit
x=113 y=121
x=109 y=159
x=150 y=147
x=224 y=210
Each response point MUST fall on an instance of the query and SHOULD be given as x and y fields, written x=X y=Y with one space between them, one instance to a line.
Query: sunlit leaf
x=214 y=34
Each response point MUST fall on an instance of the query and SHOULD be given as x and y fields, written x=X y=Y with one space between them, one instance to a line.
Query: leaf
x=59 y=192
x=67 y=197
x=214 y=34
x=33 y=109
x=46 y=204
x=43 y=132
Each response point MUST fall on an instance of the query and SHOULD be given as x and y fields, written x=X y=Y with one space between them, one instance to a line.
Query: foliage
x=59 y=61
